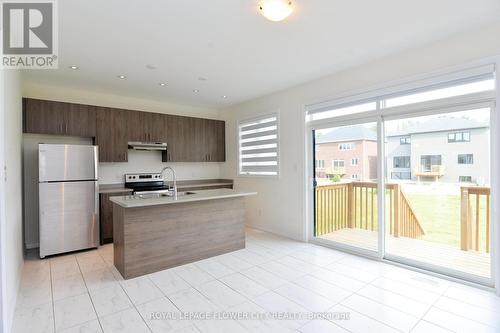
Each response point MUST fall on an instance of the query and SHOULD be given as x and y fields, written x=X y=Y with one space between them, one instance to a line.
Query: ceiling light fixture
x=224 y=96
x=163 y=84
x=122 y=77
x=196 y=91
x=276 y=10
x=74 y=67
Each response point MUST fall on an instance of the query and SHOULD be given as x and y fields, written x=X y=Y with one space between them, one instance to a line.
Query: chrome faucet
x=174 y=178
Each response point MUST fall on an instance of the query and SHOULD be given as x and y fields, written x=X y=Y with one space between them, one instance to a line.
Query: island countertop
x=130 y=201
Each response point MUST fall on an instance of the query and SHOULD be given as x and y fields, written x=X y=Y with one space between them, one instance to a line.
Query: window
x=346 y=146
x=473 y=82
x=401 y=161
x=258 y=146
x=320 y=164
x=465 y=159
x=465 y=179
x=340 y=111
x=435 y=94
x=355 y=176
x=354 y=161
x=401 y=175
x=405 y=140
x=459 y=137
x=338 y=163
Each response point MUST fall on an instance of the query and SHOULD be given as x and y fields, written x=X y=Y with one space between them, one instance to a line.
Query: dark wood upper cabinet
x=220 y=141
x=138 y=123
x=81 y=120
x=181 y=144
x=112 y=135
x=195 y=140
x=188 y=139
x=49 y=117
x=159 y=127
x=214 y=138
x=146 y=126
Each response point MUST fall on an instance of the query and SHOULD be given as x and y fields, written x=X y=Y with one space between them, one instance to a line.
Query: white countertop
x=130 y=201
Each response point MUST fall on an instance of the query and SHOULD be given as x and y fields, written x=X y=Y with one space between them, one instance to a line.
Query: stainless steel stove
x=145 y=183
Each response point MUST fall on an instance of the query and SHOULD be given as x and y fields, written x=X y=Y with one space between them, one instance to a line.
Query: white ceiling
x=239 y=52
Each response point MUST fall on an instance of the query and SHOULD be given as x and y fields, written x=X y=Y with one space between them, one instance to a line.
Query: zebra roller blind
x=259 y=146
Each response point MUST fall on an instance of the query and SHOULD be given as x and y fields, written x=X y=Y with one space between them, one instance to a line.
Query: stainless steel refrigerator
x=68 y=198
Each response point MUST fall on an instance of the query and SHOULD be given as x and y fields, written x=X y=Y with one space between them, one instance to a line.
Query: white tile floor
x=83 y=292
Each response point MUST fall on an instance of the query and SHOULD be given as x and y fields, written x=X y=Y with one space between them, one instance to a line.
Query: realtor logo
x=29 y=35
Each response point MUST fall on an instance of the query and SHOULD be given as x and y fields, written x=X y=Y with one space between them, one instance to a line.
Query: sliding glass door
x=407 y=175
x=345 y=172
x=436 y=204
x=438 y=178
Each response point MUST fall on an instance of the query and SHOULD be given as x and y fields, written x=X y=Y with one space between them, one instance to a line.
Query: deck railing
x=475 y=218
x=354 y=205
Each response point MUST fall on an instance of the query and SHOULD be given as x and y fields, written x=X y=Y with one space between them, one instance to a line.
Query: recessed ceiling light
x=201 y=78
x=196 y=91
x=150 y=67
x=276 y=10
x=122 y=77
x=163 y=84
x=224 y=96
x=74 y=67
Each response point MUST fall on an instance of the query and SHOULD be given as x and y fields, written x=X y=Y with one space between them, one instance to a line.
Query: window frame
x=338 y=166
x=462 y=135
x=404 y=157
x=278 y=145
x=466 y=159
x=348 y=145
x=464 y=181
x=405 y=140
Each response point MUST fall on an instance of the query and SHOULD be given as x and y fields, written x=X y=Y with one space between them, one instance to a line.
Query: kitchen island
x=152 y=233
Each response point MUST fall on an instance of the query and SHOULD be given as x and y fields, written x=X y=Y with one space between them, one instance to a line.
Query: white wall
x=147 y=161
x=11 y=196
x=279 y=206
x=65 y=94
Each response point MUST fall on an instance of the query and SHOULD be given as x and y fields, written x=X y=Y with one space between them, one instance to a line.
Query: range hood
x=137 y=145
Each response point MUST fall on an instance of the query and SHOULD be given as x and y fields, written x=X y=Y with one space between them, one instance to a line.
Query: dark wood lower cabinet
x=106 y=216
x=106 y=208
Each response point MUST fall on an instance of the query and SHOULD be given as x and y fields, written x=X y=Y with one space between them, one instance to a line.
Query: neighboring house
x=349 y=152
x=446 y=149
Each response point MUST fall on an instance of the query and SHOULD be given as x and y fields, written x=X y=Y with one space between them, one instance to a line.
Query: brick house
x=349 y=152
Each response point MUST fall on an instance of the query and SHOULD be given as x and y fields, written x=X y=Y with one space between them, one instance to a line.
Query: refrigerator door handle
x=96 y=163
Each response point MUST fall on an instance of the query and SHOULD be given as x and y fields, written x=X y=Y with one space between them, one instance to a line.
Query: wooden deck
x=472 y=262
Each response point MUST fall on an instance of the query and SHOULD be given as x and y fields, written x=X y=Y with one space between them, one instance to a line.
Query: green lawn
x=439 y=215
